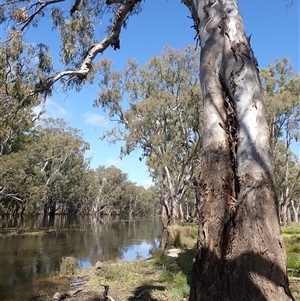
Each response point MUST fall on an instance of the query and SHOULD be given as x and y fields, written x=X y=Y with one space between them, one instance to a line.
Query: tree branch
x=112 y=39
x=43 y=5
x=75 y=7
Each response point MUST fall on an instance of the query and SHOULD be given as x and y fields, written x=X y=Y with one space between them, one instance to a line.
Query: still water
x=31 y=249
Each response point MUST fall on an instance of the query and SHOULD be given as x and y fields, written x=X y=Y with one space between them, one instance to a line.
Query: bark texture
x=241 y=252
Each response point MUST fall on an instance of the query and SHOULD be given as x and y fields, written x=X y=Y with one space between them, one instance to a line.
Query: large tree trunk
x=241 y=252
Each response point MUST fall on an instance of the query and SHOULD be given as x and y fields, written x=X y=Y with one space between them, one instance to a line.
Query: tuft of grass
x=293 y=261
x=165 y=275
x=183 y=236
x=160 y=258
x=176 y=283
x=68 y=266
x=177 y=240
x=189 y=235
x=292 y=243
x=180 y=293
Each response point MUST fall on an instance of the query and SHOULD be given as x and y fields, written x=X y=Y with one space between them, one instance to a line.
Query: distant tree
x=282 y=92
x=13 y=178
x=46 y=171
x=158 y=110
x=58 y=154
x=111 y=183
x=17 y=77
x=288 y=184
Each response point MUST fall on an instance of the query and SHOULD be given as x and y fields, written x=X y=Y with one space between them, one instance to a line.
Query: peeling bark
x=241 y=252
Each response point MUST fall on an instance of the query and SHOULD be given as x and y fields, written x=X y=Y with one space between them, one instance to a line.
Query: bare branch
x=109 y=2
x=43 y=5
x=14 y=196
x=75 y=7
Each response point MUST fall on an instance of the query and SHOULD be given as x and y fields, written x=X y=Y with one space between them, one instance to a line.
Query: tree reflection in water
x=26 y=259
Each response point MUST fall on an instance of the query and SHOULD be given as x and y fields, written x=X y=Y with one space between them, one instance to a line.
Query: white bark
x=241 y=249
x=295 y=210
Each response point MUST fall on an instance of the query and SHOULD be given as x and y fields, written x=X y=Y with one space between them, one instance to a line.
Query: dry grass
x=155 y=279
x=68 y=266
x=162 y=278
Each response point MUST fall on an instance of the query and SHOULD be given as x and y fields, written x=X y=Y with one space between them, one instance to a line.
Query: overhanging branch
x=27 y=21
x=112 y=39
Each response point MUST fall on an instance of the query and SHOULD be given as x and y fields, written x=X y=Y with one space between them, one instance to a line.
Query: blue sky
x=274 y=27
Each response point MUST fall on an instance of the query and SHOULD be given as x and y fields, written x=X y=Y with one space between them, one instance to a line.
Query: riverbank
x=164 y=276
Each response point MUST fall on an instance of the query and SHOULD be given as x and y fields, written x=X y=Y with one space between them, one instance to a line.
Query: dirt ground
x=132 y=293
x=153 y=292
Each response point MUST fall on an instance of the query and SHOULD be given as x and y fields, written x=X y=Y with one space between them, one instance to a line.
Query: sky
x=273 y=24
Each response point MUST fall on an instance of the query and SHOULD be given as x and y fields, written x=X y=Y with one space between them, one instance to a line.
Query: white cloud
x=113 y=162
x=38 y=109
x=95 y=119
x=147 y=183
x=53 y=109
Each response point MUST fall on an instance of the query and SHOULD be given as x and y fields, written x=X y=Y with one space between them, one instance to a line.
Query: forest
x=44 y=169
x=218 y=134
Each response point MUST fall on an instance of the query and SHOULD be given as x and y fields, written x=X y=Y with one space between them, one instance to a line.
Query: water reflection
x=26 y=259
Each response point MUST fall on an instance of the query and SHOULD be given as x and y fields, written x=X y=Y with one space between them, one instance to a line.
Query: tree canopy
x=43 y=163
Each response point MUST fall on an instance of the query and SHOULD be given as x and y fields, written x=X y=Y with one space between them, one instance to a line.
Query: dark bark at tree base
x=234 y=281
x=252 y=261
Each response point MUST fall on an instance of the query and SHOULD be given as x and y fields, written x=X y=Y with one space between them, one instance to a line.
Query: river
x=31 y=249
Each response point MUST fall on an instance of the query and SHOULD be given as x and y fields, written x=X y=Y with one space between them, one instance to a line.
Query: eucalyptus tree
x=75 y=22
x=111 y=185
x=288 y=184
x=241 y=252
x=282 y=91
x=48 y=169
x=134 y=201
x=89 y=191
x=239 y=233
x=17 y=103
x=13 y=183
x=59 y=157
x=70 y=187
x=158 y=110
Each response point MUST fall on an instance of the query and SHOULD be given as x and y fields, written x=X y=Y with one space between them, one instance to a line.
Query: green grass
x=184 y=236
x=292 y=229
x=160 y=258
x=176 y=283
x=291 y=236
x=166 y=278
x=162 y=278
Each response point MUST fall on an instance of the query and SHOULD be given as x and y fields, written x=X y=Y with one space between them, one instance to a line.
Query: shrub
x=68 y=266
x=160 y=257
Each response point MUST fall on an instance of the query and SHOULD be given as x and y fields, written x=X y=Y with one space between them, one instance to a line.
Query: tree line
x=157 y=109
x=44 y=171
